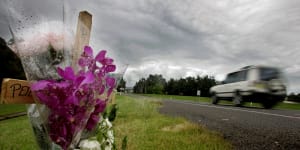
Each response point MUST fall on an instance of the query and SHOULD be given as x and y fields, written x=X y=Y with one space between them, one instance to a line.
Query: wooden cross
x=18 y=91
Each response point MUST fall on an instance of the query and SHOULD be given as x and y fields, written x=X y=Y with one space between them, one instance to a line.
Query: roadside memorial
x=67 y=87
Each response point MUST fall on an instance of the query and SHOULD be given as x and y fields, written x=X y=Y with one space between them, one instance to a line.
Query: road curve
x=246 y=128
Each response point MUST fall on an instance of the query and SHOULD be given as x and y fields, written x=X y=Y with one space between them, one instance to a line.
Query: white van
x=251 y=83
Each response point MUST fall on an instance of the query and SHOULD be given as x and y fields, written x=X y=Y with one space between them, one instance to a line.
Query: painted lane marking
x=235 y=109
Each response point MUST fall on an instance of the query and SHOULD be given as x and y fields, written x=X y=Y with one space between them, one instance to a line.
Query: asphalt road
x=245 y=128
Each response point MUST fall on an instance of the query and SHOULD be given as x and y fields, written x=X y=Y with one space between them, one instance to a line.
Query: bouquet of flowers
x=69 y=99
x=74 y=102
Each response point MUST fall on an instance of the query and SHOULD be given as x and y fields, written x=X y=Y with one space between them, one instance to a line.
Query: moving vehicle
x=262 y=84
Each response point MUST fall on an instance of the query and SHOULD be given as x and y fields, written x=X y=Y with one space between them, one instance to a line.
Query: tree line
x=157 y=84
x=10 y=63
x=294 y=97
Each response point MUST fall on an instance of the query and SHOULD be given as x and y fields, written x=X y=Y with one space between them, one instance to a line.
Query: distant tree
x=180 y=86
x=294 y=97
x=10 y=64
x=170 y=87
x=191 y=86
x=204 y=84
x=155 y=84
x=122 y=84
x=140 y=86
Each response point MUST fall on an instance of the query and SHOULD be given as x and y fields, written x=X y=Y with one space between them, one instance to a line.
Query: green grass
x=188 y=98
x=11 y=108
x=288 y=106
x=17 y=134
x=208 y=100
x=177 y=97
x=138 y=119
x=146 y=128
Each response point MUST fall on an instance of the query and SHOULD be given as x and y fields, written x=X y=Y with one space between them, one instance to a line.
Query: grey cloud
x=194 y=37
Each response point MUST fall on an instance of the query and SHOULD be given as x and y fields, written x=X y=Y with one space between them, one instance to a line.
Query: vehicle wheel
x=237 y=99
x=214 y=99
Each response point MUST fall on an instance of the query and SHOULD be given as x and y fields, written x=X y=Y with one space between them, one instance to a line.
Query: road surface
x=245 y=128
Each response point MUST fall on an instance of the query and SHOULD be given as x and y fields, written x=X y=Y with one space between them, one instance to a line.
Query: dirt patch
x=177 y=127
x=159 y=103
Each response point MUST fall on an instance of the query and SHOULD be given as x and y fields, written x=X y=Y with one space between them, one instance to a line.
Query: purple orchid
x=73 y=101
x=94 y=119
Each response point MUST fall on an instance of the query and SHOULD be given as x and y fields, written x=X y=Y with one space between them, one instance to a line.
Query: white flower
x=89 y=145
x=108 y=147
x=110 y=136
x=108 y=123
x=105 y=129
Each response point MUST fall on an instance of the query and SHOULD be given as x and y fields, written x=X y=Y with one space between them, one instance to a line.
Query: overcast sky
x=191 y=37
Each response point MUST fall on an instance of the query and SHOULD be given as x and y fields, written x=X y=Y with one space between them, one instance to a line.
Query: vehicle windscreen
x=267 y=74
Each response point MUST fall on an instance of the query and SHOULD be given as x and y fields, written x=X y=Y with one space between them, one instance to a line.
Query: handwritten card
x=16 y=92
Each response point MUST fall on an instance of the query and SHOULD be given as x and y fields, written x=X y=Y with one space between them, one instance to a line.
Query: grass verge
x=17 y=134
x=146 y=128
x=139 y=120
x=11 y=108
x=280 y=105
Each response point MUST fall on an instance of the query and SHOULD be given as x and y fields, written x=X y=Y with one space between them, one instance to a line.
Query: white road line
x=235 y=109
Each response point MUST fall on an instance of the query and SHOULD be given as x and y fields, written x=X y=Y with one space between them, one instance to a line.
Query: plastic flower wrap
x=68 y=101
x=42 y=48
x=104 y=138
x=75 y=101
